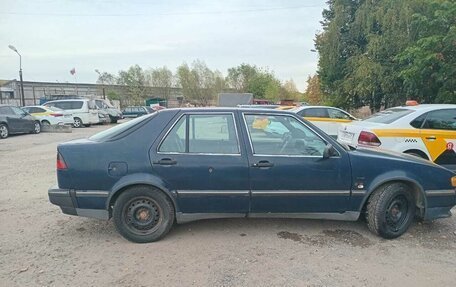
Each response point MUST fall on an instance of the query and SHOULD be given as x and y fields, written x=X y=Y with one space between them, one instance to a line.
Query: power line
x=161 y=14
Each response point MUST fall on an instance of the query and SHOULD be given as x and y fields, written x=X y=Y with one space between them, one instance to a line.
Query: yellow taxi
x=427 y=131
x=328 y=119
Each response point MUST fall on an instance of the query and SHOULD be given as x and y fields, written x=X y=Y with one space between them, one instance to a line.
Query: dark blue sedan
x=180 y=165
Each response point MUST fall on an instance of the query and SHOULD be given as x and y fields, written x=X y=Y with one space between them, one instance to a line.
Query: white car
x=328 y=119
x=427 y=131
x=85 y=111
x=50 y=115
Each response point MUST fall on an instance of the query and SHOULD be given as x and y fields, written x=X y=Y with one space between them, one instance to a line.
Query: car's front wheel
x=4 y=131
x=390 y=210
x=143 y=214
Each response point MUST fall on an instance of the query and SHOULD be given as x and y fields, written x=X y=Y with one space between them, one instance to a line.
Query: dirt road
x=40 y=246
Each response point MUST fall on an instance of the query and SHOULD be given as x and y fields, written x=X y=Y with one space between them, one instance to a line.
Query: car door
x=288 y=174
x=438 y=133
x=24 y=121
x=200 y=159
x=12 y=119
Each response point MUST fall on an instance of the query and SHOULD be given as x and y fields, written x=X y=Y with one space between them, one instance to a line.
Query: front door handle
x=431 y=138
x=263 y=163
x=165 y=161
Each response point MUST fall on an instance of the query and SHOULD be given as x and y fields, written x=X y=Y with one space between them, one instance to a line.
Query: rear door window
x=315 y=113
x=336 y=114
x=441 y=120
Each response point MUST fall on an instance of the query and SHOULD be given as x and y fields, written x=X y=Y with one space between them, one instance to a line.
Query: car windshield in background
x=114 y=131
x=388 y=116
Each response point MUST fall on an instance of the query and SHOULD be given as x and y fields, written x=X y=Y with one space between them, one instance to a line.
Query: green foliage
x=380 y=53
x=199 y=83
x=135 y=82
x=161 y=78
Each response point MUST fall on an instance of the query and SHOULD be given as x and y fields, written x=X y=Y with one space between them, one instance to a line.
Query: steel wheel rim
x=397 y=213
x=3 y=131
x=37 y=127
x=142 y=215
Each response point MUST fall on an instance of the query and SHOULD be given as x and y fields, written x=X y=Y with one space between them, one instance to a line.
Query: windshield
x=114 y=131
x=388 y=116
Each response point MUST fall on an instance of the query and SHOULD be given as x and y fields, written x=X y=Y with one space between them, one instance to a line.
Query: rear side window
x=6 y=111
x=315 y=113
x=214 y=134
x=336 y=114
x=176 y=138
x=388 y=116
x=441 y=120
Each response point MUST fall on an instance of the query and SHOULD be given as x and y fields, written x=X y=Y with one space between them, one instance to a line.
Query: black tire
x=133 y=205
x=37 y=128
x=77 y=123
x=87 y=125
x=390 y=210
x=45 y=123
x=4 y=131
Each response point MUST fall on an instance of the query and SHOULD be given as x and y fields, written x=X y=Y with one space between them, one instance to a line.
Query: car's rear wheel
x=4 y=131
x=77 y=122
x=143 y=214
x=37 y=128
x=45 y=123
x=390 y=210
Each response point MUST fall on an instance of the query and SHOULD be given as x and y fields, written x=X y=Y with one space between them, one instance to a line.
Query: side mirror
x=329 y=151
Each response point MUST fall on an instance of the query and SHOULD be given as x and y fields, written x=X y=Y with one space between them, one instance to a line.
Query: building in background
x=10 y=91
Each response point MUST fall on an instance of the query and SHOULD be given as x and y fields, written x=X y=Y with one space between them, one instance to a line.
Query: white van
x=85 y=111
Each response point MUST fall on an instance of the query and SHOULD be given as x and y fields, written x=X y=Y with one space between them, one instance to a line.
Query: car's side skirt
x=346 y=216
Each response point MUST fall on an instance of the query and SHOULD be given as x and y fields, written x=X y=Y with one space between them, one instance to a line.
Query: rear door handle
x=263 y=163
x=431 y=138
x=165 y=161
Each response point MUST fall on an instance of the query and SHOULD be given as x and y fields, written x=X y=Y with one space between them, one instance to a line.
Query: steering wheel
x=286 y=137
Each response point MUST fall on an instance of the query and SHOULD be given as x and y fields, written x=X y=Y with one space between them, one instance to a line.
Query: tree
x=313 y=94
x=380 y=53
x=135 y=82
x=199 y=83
x=240 y=77
x=162 y=79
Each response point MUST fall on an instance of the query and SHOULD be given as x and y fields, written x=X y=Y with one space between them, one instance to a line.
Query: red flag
x=73 y=71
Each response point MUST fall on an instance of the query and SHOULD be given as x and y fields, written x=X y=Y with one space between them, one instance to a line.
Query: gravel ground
x=40 y=246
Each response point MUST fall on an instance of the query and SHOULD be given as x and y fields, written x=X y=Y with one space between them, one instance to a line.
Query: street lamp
x=20 y=73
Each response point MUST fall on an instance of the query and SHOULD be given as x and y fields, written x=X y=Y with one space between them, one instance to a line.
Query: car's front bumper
x=66 y=199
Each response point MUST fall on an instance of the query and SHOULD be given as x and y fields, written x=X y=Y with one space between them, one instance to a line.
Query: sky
x=54 y=36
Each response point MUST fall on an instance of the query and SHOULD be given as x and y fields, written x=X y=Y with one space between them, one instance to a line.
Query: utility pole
x=20 y=74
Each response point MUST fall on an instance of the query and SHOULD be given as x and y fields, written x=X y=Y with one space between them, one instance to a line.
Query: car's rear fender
x=140 y=179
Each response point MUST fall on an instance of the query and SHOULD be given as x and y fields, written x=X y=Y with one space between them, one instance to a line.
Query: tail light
x=368 y=138
x=61 y=165
x=56 y=115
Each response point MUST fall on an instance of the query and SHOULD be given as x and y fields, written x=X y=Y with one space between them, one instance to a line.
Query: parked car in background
x=136 y=111
x=426 y=131
x=50 y=115
x=14 y=120
x=214 y=163
x=113 y=113
x=328 y=119
x=84 y=111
